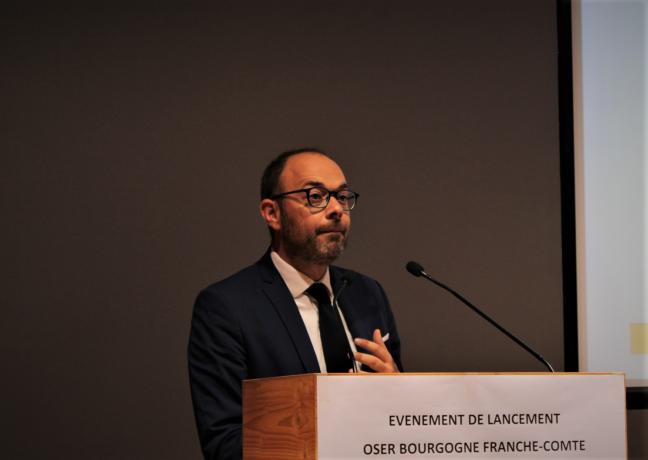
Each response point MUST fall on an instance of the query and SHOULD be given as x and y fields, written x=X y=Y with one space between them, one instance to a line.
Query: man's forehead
x=307 y=169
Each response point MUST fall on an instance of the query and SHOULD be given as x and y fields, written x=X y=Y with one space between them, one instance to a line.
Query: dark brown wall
x=132 y=144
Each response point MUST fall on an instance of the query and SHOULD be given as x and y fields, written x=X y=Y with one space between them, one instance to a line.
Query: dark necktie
x=334 y=340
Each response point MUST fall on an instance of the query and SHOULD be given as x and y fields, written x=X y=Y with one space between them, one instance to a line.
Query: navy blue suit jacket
x=248 y=326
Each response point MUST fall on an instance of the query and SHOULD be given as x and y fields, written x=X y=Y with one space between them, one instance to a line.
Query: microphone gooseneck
x=417 y=270
x=347 y=278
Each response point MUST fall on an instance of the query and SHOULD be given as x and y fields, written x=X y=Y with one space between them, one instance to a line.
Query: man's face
x=313 y=235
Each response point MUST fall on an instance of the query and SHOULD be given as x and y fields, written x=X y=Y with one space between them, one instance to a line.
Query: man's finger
x=371 y=361
x=377 y=337
x=373 y=348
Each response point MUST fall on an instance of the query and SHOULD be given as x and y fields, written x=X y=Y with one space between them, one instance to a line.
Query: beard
x=321 y=248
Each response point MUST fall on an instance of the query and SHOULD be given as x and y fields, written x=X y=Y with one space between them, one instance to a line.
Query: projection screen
x=611 y=162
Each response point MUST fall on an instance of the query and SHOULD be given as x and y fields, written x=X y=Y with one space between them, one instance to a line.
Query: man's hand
x=379 y=359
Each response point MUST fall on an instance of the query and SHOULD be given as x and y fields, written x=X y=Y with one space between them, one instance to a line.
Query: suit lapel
x=278 y=294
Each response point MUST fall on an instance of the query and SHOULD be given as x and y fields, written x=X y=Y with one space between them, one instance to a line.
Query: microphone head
x=414 y=268
x=348 y=277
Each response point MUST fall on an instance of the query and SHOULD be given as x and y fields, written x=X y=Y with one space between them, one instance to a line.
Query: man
x=276 y=316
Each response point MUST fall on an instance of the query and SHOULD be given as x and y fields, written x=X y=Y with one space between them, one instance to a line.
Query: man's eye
x=316 y=195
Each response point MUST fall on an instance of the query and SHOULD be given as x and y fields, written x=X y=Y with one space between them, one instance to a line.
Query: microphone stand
x=347 y=279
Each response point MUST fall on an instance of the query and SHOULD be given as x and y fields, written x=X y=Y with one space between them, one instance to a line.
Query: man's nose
x=334 y=206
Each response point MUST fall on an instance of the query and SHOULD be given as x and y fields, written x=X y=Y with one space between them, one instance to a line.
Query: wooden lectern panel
x=280 y=422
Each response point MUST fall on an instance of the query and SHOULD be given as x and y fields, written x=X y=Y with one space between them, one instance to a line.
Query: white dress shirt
x=297 y=284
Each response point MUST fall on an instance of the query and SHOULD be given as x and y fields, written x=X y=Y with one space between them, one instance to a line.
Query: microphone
x=347 y=278
x=417 y=270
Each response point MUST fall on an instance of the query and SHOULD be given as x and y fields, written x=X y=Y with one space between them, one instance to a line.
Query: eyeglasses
x=319 y=197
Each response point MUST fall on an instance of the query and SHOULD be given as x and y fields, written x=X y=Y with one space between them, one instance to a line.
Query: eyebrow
x=320 y=184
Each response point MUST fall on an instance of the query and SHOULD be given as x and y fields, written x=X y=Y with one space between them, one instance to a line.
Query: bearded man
x=292 y=312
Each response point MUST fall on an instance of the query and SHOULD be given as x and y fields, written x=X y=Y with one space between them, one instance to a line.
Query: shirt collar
x=296 y=281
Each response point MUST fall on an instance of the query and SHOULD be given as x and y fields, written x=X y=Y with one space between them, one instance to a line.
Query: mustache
x=332 y=228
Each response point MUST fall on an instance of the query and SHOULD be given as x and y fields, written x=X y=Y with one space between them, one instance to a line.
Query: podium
x=473 y=415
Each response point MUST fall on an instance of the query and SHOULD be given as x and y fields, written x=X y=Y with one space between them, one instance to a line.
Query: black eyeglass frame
x=329 y=194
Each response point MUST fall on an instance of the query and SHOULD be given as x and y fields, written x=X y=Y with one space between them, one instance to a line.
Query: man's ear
x=271 y=213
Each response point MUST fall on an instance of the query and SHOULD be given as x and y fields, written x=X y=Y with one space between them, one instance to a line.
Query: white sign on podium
x=475 y=416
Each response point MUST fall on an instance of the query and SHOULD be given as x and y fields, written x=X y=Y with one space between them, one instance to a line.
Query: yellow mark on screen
x=639 y=338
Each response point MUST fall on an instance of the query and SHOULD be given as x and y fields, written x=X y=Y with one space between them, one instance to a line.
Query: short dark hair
x=272 y=172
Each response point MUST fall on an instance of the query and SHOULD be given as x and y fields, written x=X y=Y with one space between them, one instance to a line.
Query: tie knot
x=320 y=293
